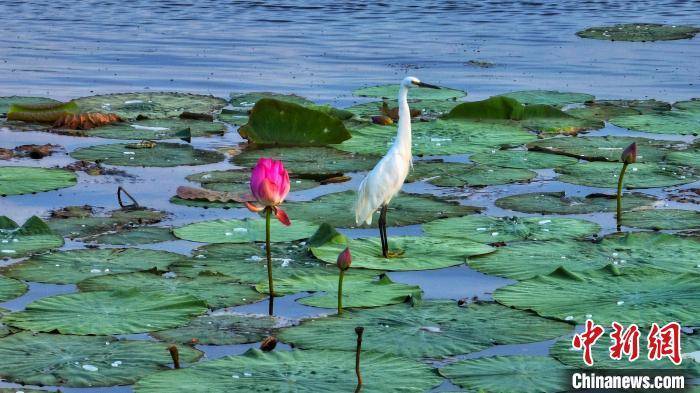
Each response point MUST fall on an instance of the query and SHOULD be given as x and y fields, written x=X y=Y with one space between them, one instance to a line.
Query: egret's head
x=412 y=81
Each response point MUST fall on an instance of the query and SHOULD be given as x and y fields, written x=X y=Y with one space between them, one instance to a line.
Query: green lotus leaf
x=17 y=180
x=158 y=129
x=247 y=262
x=661 y=219
x=521 y=159
x=640 y=175
x=639 y=32
x=454 y=174
x=391 y=91
x=70 y=267
x=243 y=231
x=205 y=204
x=429 y=108
x=605 y=148
x=81 y=223
x=102 y=313
x=439 y=137
x=217 y=290
x=223 y=329
x=82 y=361
x=486 y=229
x=40 y=113
x=337 y=209
x=32 y=237
x=634 y=295
x=309 y=161
x=522 y=260
x=607 y=109
x=243 y=103
x=407 y=252
x=360 y=289
x=684 y=119
x=295 y=371
x=664 y=251
x=11 y=288
x=559 y=203
x=685 y=158
x=232 y=116
x=273 y=122
x=136 y=154
x=238 y=181
x=563 y=351
x=4 y=329
x=548 y=97
x=7 y=101
x=136 y=236
x=434 y=329
x=151 y=105
x=506 y=374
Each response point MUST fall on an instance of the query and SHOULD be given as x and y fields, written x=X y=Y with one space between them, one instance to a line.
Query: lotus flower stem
x=619 y=196
x=175 y=355
x=268 y=252
x=341 y=275
x=344 y=261
x=358 y=330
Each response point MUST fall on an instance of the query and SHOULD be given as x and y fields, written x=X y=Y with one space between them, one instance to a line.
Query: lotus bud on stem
x=358 y=330
x=175 y=355
x=343 y=263
x=629 y=156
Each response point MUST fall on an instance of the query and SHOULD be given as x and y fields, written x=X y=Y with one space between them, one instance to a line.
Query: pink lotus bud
x=344 y=259
x=629 y=155
x=269 y=182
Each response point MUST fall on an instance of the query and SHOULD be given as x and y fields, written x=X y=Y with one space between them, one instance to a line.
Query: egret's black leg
x=382 y=232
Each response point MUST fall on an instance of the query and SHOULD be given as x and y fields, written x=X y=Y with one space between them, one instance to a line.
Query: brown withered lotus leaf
x=193 y=193
x=393 y=113
x=86 y=121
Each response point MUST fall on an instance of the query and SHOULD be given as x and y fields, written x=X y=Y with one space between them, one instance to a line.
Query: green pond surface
x=526 y=229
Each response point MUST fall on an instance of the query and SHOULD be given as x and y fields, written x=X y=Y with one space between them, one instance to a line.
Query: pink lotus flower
x=629 y=155
x=269 y=183
x=344 y=259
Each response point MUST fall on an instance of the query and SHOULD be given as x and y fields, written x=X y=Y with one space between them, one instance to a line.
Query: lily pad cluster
x=81 y=222
x=32 y=237
x=682 y=119
x=146 y=153
x=639 y=32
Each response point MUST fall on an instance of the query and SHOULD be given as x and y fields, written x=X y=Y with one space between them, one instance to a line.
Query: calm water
x=323 y=50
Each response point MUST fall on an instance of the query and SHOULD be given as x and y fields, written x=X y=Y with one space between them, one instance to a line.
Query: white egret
x=384 y=181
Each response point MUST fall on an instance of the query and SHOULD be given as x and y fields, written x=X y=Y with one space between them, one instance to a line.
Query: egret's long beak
x=428 y=85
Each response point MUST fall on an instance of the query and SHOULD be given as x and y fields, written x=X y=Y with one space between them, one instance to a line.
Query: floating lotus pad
x=522 y=260
x=70 y=267
x=17 y=180
x=136 y=236
x=505 y=374
x=605 y=148
x=100 y=313
x=639 y=32
x=548 y=97
x=662 y=219
x=634 y=295
x=440 y=137
x=82 y=361
x=243 y=231
x=309 y=161
x=204 y=203
x=640 y=175
x=521 y=159
x=158 y=129
x=431 y=108
x=454 y=174
x=360 y=289
x=298 y=371
x=337 y=209
x=392 y=91
x=607 y=109
x=217 y=290
x=684 y=119
x=247 y=262
x=4 y=330
x=32 y=237
x=238 y=181
x=156 y=105
x=486 y=229
x=140 y=154
x=243 y=102
x=6 y=101
x=667 y=252
x=82 y=223
x=685 y=158
x=282 y=123
x=11 y=288
x=408 y=252
x=436 y=328
x=223 y=329
x=559 y=203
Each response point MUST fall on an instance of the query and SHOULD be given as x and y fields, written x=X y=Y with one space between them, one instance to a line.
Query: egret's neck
x=403 y=137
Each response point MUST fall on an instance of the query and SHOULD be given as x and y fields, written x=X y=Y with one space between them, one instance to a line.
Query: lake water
x=323 y=50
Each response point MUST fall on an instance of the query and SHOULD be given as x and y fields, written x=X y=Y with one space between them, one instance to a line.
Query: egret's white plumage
x=384 y=181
